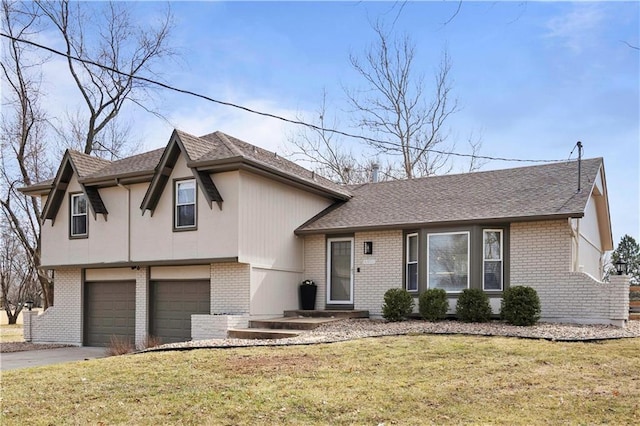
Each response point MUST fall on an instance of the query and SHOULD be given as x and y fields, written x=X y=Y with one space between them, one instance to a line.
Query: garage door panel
x=172 y=304
x=109 y=310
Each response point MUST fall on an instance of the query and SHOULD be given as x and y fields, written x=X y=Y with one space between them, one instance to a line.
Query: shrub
x=120 y=346
x=520 y=306
x=473 y=306
x=398 y=303
x=433 y=304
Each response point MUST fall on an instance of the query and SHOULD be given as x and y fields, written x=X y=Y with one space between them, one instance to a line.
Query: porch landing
x=292 y=324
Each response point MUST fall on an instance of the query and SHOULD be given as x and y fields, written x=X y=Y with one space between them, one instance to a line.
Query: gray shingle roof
x=511 y=194
x=141 y=163
x=225 y=146
x=87 y=164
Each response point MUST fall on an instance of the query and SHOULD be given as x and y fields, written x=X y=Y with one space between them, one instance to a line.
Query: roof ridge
x=227 y=142
x=493 y=171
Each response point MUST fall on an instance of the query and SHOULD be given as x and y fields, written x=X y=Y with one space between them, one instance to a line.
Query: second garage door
x=172 y=304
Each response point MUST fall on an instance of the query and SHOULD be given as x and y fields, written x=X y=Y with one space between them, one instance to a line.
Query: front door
x=340 y=271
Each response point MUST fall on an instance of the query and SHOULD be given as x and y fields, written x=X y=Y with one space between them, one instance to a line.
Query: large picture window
x=492 y=259
x=448 y=261
x=412 y=263
x=185 y=198
x=78 y=223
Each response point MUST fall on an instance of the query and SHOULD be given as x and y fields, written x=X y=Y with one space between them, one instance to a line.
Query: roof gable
x=502 y=195
x=74 y=162
x=188 y=146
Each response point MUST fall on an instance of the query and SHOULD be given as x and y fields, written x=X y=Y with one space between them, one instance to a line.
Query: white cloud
x=578 y=28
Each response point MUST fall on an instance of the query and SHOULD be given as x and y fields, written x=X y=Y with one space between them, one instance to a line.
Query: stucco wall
x=61 y=323
x=541 y=258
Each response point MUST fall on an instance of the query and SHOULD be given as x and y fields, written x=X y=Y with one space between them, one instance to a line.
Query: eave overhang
x=243 y=163
x=435 y=224
x=59 y=188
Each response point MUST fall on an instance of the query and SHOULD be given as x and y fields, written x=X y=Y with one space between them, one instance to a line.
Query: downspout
x=575 y=234
x=126 y=188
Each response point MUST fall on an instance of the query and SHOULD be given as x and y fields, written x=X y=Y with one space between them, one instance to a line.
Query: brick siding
x=374 y=279
x=315 y=266
x=62 y=322
x=541 y=258
x=230 y=286
x=142 y=306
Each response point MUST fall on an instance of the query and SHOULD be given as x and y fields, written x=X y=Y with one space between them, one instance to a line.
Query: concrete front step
x=291 y=323
x=260 y=333
x=329 y=313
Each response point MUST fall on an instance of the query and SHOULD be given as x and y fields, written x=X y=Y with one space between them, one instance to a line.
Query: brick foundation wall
x=61 y=323
x=541 y=258
x=205 y=327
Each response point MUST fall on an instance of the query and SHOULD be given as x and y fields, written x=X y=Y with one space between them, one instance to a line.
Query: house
x=189 y=240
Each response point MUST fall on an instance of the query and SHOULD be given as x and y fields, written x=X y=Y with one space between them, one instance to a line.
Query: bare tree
x=393 y=106
x=327 y=152
x=115 y=39
x=22 y=154
x=17 y=283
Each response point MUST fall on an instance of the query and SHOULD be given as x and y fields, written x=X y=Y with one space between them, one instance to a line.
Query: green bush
x=473 y=306
x=520 y=306
x=433 y=304
x=398 y=304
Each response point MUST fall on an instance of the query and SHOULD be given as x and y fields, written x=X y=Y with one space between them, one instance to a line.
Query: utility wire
x=261 y=113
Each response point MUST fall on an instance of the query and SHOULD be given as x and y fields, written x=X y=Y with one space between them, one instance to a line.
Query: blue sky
x=531 y=77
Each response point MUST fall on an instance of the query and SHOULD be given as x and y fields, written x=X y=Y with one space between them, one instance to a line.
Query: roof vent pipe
x=579 y=144
x=375 y=168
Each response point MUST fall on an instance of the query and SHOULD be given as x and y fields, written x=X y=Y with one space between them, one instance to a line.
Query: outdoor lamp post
x=29 y=304
x=621 y=267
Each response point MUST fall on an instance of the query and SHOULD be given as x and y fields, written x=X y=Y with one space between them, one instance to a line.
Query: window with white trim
x=448 y=261
x=78 y=223
x=492 y=263
x=412 y=263
x=185 y=204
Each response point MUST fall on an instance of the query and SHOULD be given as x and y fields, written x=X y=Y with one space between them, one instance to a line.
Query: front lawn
x=393 y=380
x=11 y=333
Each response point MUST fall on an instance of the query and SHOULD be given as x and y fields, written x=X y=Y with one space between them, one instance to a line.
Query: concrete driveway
x=26 y=359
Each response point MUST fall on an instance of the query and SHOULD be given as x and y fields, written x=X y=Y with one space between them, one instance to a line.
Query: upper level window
x=78 y=223
x=448 y=261
x=492 y=259
x=185 y=208
x=412 y=263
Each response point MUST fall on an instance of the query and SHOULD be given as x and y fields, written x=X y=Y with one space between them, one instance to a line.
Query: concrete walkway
x=27 y=359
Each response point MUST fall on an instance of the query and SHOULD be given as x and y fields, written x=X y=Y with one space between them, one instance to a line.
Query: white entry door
x=340 y=271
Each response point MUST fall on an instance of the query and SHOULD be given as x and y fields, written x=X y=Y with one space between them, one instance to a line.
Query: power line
x=261 y=113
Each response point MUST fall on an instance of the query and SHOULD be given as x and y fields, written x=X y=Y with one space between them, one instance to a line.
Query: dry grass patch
x=406 y=380
x=11 y=333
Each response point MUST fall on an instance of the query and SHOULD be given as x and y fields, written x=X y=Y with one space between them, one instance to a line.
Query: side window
x=185 y=204
x=78 y=218
x=411 y=272
x=492 y=264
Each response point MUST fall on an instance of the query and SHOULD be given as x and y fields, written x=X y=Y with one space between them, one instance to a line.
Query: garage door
x=109 y=310
x=172 y=304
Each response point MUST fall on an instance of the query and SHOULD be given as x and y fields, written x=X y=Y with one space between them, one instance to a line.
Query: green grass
x=408 y=380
